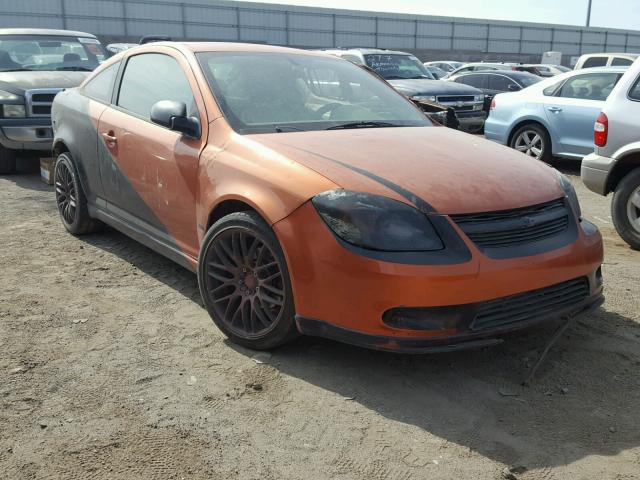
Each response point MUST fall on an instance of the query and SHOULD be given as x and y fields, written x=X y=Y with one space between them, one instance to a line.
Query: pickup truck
x=35 y=64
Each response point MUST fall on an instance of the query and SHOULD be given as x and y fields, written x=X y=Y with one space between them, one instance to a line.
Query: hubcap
x=530 y=143
x=633 y=209
x=244 y=283
x=65 y=193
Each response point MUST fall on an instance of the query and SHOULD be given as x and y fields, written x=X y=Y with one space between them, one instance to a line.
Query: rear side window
x=634 y=93
x=595 y=62
x=478 y=81
x=621 y=62
x=592 y=86
x=100 y=87
x=150 y=78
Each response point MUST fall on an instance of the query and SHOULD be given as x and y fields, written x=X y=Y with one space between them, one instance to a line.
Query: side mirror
x=173 y=115
x=512 y=87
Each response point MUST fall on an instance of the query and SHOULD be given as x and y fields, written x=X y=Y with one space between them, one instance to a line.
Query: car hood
x=21 y=81
x=432 y=87
x=452 y=171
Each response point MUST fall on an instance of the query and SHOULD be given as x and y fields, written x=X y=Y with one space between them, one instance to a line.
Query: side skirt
x=145 y=237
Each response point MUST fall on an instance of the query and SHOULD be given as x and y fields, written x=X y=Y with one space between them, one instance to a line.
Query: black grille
x=531 y=305
x=515 y=227
x=43 y=97
x=41 y=109
x=455 y=99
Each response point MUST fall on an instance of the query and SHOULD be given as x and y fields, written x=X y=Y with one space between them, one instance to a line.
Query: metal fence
x=127 y=20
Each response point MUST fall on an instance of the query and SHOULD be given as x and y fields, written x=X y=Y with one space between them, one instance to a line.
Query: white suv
x=615 y=164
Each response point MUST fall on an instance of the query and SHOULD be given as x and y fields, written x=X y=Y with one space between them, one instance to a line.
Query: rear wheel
x=7 y=161
x=532 y=140
x=71 y=200
x=244 y=282
x=625 y=208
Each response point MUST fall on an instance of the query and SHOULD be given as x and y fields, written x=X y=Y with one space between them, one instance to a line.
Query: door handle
x=555 y=109
x=110 y=138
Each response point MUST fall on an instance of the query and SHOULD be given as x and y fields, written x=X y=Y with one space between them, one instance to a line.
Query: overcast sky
x=606 y=13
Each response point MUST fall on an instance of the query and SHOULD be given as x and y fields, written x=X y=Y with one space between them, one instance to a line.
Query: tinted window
x=501 y=83
x=267 y=92
x=100 y=86
x=152 y=77
x=634 y=93
x=593 y=86
x=478 y=81
x=595 y=62
x=621 y=62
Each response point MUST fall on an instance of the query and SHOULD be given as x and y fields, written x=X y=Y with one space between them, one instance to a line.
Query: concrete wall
x=429 y=37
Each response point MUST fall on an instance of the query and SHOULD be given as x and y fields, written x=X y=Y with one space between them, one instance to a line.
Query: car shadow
x=27 y=174
x=582 y=402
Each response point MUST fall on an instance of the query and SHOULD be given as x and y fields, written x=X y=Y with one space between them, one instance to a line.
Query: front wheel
x=244 y=282
x=625 y=208
x=532 y=140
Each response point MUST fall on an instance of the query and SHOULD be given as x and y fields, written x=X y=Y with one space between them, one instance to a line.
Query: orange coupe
x=312 y=198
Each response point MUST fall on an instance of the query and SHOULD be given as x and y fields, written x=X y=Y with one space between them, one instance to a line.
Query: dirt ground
x=111 y=369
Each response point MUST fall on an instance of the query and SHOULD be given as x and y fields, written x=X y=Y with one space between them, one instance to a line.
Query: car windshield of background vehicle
x=397 y=67
x=39 y=52
x=263 y=93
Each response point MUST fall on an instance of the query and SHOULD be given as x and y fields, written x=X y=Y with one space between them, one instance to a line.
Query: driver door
x=153 y=170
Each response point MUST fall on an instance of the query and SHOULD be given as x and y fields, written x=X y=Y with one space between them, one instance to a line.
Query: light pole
x=589 y=13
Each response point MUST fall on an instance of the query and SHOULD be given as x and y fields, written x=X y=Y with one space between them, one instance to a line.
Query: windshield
x=41 y=52
x=275 y=92
x=397 y=67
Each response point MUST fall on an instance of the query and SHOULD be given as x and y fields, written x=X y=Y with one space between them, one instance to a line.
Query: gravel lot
x=111 y=369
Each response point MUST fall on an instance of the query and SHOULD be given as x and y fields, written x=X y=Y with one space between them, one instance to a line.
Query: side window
x=478 y=81
x=621 y=62
x=551 y=90
x=500 y=83
x=352 y=59
x=634 y=93
x=595 y=62
x=151 y=77
x=100 y=87
x=592 y=86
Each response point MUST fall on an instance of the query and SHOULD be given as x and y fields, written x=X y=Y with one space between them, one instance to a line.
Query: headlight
x=479 y=98
x=375 y=222
x=570 y=192
x=7 y=96
x=425 y=98
x=13 y=111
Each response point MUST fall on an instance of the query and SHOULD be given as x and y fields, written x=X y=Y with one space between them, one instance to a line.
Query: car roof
x=628 y=54
x=44 y=31
x=368 y=51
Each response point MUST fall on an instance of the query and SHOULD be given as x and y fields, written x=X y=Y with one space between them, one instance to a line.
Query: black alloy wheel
x=66 y=196
x=244 y=282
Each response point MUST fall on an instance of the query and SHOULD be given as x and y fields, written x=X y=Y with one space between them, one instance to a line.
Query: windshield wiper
x=372 y=124
x=18 y=70
x=76 y=69
x=284 y=128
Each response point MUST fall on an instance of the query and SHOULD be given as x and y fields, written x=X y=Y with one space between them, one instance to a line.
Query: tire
x=523 y=141
x=625 y=208
x=71 y=200
x=7 y=161
x=244 y=282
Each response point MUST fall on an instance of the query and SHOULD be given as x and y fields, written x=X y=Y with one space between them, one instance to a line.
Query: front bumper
x=471 y=119
x=595 y=172
x=342 y=294
x=26 y=134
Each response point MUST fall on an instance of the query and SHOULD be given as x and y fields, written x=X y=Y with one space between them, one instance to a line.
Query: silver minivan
x=615 y=164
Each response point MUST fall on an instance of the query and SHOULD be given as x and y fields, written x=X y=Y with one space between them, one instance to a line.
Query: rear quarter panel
x=74 y=118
